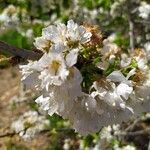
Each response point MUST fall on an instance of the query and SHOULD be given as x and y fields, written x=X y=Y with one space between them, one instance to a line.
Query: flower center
x=47 y=45
x=73 y=44
x=54 y=65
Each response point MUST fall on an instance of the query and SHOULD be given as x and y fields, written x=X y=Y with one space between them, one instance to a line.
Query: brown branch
x=140 y=132
x=130 y=127
x=130 y=17
x=131 y=32
x=8 y=134
x=23 y=53
x=142 y=21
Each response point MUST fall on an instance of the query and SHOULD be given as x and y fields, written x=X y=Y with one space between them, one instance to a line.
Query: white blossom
x=77 y=33
x=63 y=34
x=54 y=70
x=117 y=76
x=42 y=44
x=125 y=60
x=66 y=145
x=108 y=53
x=128 y=147
x=109 y=48
x=51 y=69
x=142 y=63
x=9 y=16
x=147 y=49
x=55 y=34
x=144 y=10
x=29 y=124
x=124 y=90
x=111 y=99
x=60 y=99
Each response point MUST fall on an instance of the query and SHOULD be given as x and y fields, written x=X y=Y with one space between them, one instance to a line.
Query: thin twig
x=23 y=53
x=149 y=145
x=129 y=10
x=8 y=134
x=131 y=33
x=140 y=132
x=129 y=128
x=142 y=22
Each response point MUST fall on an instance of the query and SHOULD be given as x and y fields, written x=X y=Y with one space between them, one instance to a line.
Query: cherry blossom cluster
x=29 y=124
x=87 y=79
x=144 y=10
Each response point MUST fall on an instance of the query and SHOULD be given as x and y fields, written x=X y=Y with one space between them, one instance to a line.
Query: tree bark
x=23 y=53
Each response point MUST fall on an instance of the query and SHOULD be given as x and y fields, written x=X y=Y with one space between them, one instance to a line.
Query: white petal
x=51 y=33
x=57 y=48
x=47 y=104
x=86 y=37
x=125 y=60
x=43 y=102
x=41 y=43
x=131 y=73
x=32 y=81
x=103 y=65
x=124 y=90
x=71 y=25
x=116 y=76
x=71 y=58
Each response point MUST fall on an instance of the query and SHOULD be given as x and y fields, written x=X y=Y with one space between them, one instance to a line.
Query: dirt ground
x=10 y=87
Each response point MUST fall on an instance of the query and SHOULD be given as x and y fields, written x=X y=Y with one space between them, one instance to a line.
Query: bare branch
x=140 y=132
x=142 y=21
x=132 y=125
x=23 y=53
x=130 y=17
x=131 y=33
x=8 y=134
